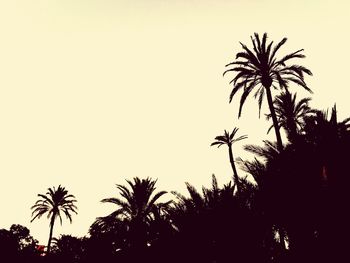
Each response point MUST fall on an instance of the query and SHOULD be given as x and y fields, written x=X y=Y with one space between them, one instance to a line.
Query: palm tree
x=328 y=136
x=291 y=113
x=194 y=218
x=228 y=139
x=269 y=153
x=135 y=209
x=206 y=219
x=319 y=129
x=262 y=70
x=54 y=202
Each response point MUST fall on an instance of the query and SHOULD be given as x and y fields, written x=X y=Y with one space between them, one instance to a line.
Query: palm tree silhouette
x=135 y=209
x=328 y=136
x=319 y=129
x=228 y=139
x=54 y=202
x=330 y=139
x=193 y=218
x=206 y=220
x=261 y=172
x=291 y=113
x=260 y=68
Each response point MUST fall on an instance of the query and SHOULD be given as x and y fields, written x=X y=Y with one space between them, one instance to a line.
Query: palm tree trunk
x=291 y=127
x=51 y=232
x=274 y=118
x=279 y=145
x=235 y=174
x=291 y=130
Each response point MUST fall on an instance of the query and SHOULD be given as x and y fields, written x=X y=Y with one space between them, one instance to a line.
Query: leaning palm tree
x=135 y=209
x=261 y=69
x=228 y=139
x=54 y=202
x=291 y=113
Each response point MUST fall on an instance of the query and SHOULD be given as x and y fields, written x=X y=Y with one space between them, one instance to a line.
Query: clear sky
x=96 y=91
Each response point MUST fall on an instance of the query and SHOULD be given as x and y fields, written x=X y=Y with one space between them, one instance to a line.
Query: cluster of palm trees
x=295 y=210
x=304 y=175
x=260 y=69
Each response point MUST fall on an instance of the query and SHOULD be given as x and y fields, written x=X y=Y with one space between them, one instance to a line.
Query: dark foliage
x=17 y=245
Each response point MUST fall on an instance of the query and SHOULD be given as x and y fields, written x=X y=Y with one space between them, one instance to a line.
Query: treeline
x=295 y=209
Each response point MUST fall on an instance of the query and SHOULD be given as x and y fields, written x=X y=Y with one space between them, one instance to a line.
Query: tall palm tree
x=261 y=69
x=291 y=113
x=54 y=203
x=135 y=209
x=228 y=139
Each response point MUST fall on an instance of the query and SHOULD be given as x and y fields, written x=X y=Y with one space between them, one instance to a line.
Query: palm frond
x=237 y=87
x=276 y=48
x=295 y=54
x=245 y=94
x=217 y=143
x=300 y=83
x=243 y=137
x=251 y=57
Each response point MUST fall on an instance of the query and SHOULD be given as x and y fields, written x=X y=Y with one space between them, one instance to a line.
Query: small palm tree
x=54 y=203
x=135 y=209
x=291 y=113
x=228 y=139
x=261 y=69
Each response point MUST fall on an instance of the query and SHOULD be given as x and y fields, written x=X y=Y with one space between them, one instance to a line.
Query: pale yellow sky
x=93 y=92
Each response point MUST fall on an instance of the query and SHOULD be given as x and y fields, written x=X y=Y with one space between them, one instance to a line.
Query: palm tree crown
x=319 y=129
x=54 y=203
x=228 y=139
x=262 y=70
x=135 y=210
x=291 y=113
x=138 y=203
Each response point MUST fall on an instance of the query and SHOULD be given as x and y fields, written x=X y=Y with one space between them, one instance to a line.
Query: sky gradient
x=93 y=92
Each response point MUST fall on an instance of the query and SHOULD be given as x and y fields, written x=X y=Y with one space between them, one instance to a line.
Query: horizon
x=95 y=93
